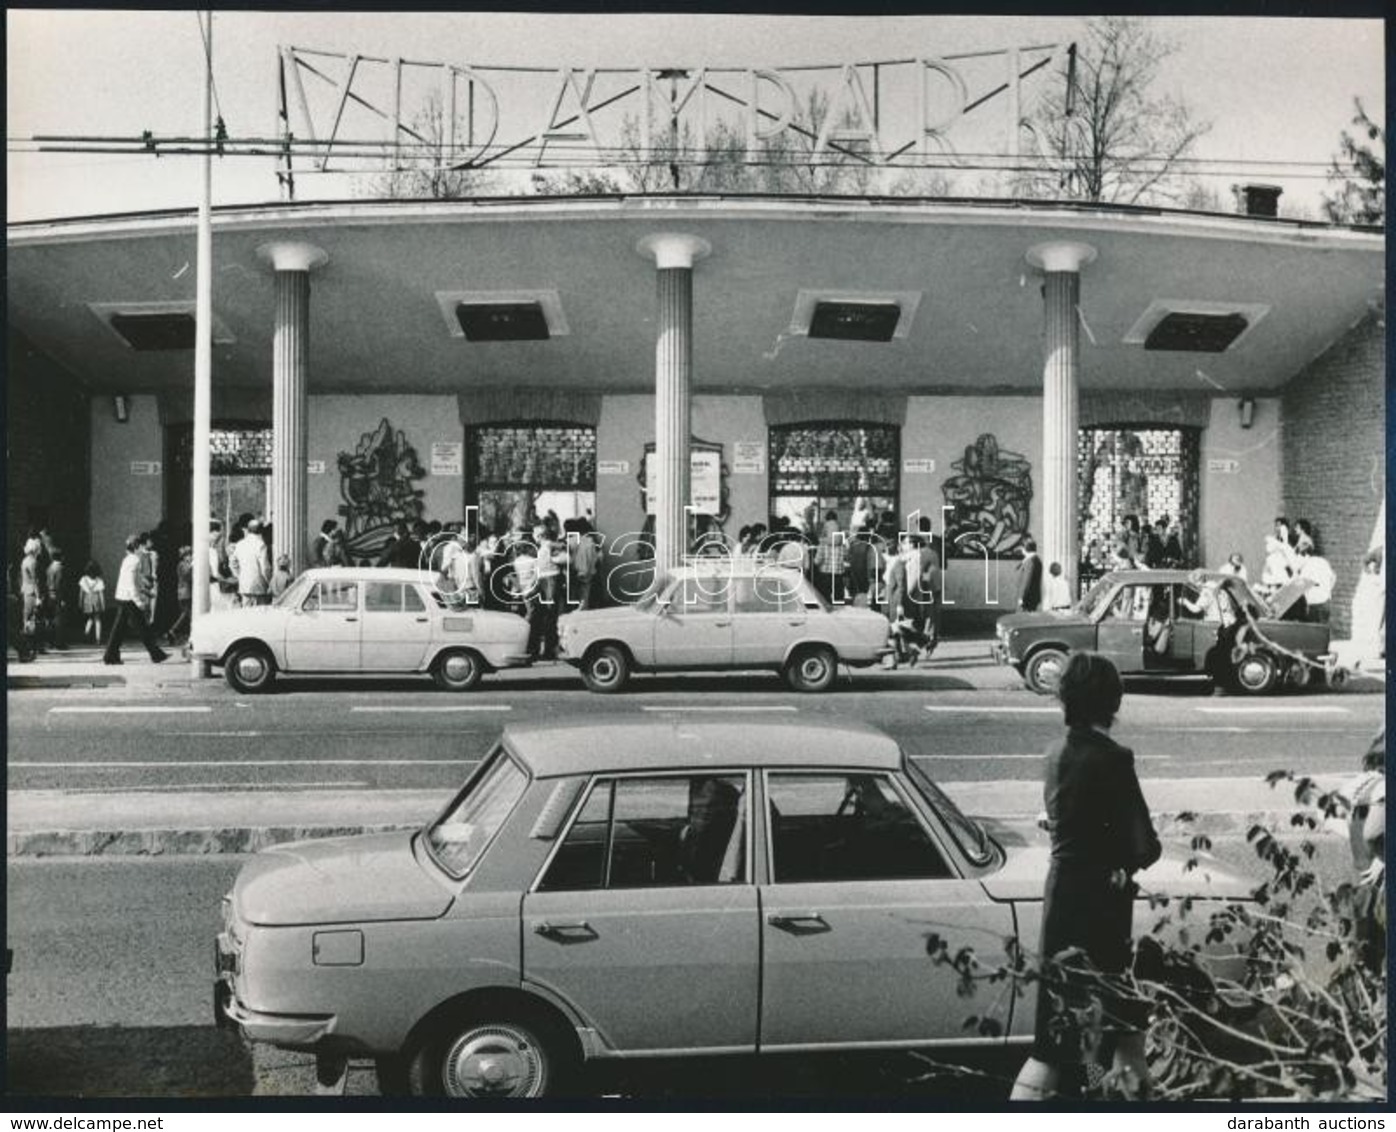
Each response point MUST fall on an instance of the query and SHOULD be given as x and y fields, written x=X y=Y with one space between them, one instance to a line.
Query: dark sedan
x=1172 y=622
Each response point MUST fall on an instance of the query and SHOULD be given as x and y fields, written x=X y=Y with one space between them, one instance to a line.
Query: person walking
x=552 y=561
x=830 y=560
x=30 y=593
x=1056 y=594
x=319 y=547
x=253 y=566
x=586 y=567
x=1317 y=569
x=1101 y=835
x=92 y=601
x=1030 y=578
x=56 y=599
x=184 y=596
x=130 y=603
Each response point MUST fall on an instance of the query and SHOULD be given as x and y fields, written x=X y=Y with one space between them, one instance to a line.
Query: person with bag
x=1101 y=835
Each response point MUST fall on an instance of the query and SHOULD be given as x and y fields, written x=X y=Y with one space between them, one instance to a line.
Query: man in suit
x=1030 y=578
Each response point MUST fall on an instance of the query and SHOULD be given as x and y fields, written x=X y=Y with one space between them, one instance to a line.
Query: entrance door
x=323 y=635
x=858 y=889
x=652 y=881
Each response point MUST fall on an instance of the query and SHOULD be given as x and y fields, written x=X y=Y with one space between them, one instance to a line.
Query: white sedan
x=347 y=620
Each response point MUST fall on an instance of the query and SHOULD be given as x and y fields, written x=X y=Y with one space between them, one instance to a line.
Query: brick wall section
x=48 y=446
x=1334 y=466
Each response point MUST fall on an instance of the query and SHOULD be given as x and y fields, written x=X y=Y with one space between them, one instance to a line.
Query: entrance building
x=1003 y=371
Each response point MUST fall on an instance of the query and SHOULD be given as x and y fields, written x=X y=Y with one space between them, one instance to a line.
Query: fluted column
x=673 y=254
x=1057 y=523
x=290 y=372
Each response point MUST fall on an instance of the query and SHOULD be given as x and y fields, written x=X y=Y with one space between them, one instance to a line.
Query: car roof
x=1147 y=576
x=371 y=573
x=627 y=743
x=734 y=566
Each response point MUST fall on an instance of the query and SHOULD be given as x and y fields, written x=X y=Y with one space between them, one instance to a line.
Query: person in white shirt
x=1317 y=570
x=1056 y=594
x=130 y=593
x=253 y=566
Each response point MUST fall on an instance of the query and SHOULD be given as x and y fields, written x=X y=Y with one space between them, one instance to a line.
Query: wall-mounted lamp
x=120 y=408
x=1246 y=408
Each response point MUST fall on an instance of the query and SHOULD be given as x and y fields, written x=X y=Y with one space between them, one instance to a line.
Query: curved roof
x=630 y=743
x=382 y=307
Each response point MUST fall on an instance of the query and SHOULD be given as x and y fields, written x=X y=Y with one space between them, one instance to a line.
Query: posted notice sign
x=447 y=457
x=918 y=467
x=704 y=481
x=145 y=467
x=1223 y=466
x=748 y=458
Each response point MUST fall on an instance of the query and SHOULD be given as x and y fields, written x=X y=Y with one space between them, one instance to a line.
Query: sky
x=1273 y=88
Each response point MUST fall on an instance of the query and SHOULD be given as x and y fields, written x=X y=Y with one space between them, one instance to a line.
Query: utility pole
x=203 y=356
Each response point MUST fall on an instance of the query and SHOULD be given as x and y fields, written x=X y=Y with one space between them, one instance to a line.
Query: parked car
x=727 y=614
x=342 y=619
x=1172 y=623
x=630 y=888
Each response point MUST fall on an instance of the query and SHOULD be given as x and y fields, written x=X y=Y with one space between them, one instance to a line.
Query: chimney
x=1257 y=200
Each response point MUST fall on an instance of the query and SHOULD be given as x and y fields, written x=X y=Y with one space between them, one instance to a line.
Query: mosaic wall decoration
x=990 y=500
x=376 y=484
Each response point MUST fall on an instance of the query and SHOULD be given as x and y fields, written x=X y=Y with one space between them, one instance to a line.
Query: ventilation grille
x=165 y=331
x=855 y=322
x=502 y=322
x=1196 y=333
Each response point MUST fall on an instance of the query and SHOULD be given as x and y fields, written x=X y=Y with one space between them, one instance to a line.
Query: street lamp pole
x=203 y=359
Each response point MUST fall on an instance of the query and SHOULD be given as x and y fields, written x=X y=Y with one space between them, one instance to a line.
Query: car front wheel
x=812 y=669
x=1255 y=674
x=1043 y=671
x=505 y=1058
x=457 y=670
x=606 y=669
x=249 y=669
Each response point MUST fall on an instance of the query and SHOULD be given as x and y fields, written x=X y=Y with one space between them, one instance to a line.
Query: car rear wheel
x=249 y=669
x=812 y=669
x=606 y=669
x=1255 y=673
x=457 y=670
x=1043 y=671
x=492 y=1058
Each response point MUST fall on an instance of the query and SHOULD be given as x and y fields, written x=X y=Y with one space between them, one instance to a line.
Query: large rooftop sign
x=342 y=109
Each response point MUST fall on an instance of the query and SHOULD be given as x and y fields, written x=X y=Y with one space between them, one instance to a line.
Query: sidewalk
x=59 y=823
x=81 y=667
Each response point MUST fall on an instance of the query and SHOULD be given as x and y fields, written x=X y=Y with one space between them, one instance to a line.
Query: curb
x=253 y=839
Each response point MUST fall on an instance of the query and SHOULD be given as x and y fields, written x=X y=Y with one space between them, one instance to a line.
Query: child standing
x=184 y=594
x=92 y=600
x=281 y=579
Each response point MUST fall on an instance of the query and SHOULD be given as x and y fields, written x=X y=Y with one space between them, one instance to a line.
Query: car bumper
x=291 y=1031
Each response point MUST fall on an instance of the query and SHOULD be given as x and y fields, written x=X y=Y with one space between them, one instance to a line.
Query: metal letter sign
x=880 y=112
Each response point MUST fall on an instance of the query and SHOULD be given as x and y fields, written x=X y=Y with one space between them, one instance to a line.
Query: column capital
x=673 y=249
x=1061 y=255
x=293 y=255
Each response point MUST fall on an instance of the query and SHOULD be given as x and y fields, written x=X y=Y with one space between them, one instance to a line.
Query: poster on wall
x=704 y=481
x=447 y=457
x=748 y=458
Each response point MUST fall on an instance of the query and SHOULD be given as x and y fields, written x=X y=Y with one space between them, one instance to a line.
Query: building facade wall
x=126 y=499
x=47 y=452
x=1240 y=482
x=1334 y=463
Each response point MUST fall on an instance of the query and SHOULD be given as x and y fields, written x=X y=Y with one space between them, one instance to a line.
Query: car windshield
x=293 y=593
x=968 y=833
x=458 y=838
x=1095 y=598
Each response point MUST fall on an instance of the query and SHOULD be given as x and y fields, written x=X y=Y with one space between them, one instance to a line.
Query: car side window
x=765 y=594
x=1130 y=604
x=333 y=597
x=840 y=827
x=383 y=597
x=412 y=600
x=662 y=832
x=701 y=595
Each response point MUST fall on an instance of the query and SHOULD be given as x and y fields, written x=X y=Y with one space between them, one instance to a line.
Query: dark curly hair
x=1090 y=690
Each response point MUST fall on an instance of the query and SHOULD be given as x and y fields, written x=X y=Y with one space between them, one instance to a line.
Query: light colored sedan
x=344 y=620
x=632 y=888
x=728 y=614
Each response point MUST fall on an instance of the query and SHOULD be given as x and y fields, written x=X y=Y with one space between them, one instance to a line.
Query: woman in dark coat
x=1101 y=835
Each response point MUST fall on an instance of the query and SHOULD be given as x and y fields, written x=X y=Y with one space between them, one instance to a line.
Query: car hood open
x=1028 y=853
x=339 y=880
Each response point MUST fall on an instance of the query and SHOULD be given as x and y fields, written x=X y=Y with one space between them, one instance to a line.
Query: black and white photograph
x=627 y=560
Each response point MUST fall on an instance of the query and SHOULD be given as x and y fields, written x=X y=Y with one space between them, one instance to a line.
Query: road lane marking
x=445 y=707
x=129 y=710
x=148 y=764
x=990 y=709
x=718 y=708
x=1273 y=709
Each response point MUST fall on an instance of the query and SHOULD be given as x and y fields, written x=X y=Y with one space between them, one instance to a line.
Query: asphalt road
x=380 y=734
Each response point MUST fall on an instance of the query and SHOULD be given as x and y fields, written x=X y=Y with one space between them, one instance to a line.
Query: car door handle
x=423 y=620
x=800 y=621
x=577 y=931
x=721 y=624
x=799 y=923
x=351 y=619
